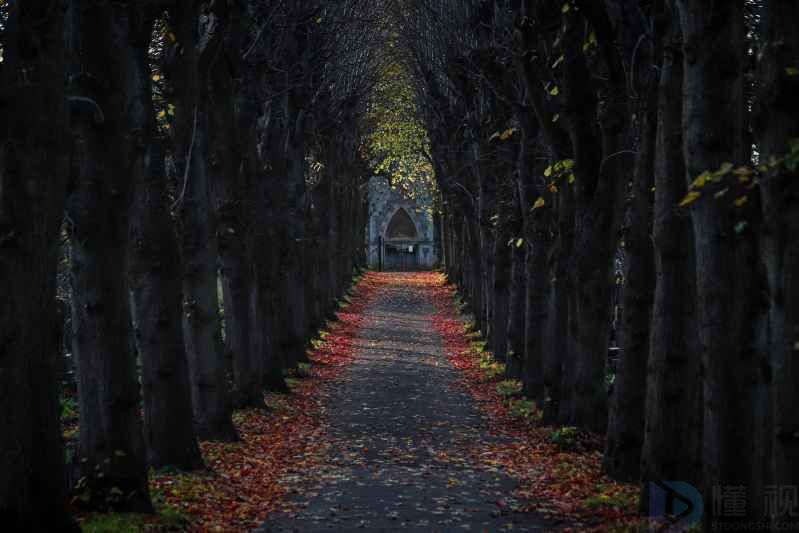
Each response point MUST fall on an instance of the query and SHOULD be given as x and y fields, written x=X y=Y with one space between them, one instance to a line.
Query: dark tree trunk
x=107 y=158
x=475 y=269
x=500 y=287
x=599 y=138
x=558 y=346
x=777 y=121
x=267 y=248
x=232 y=117
x=485 y=219
x=537 y=311
x=198 y=242
x=538 y=246
x=288 y=182
x=155 y=274
x=597 y=227
x=33 y=170
x=517 y=313
x=673 y=429
x=293 y=339
x=157 y=302
x=728 y=277
x=263 y=307
x=625 y=434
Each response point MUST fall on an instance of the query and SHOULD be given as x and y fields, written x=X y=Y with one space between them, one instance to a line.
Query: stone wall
x=384 y=201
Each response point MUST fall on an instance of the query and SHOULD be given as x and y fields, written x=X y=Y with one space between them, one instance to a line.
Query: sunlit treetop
x=397 y=143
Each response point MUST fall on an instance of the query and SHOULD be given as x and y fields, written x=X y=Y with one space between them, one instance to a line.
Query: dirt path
x=395 y=423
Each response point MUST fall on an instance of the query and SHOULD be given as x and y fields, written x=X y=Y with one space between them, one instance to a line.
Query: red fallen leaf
x=551 y=481
x=242 y=488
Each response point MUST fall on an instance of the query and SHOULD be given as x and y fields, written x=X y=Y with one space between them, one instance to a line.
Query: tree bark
x=155 y=275
x=776 y=125
x=500 y=285
x=625 y=433
x=33 y=169
x=232 y=115
x=107 y=157
x=728 y=277
x=198 y=243
x=517 y=313
x=673 y=427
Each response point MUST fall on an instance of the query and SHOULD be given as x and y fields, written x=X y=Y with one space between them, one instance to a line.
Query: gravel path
x=396 y=426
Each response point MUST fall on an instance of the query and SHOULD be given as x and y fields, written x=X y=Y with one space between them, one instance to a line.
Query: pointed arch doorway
x=400 y=242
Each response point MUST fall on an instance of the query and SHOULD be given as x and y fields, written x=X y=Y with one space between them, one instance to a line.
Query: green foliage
x=169 y=518
x=491 y=368
x=303 y=370
x=509 y=387
x=557 y=174
x=278 y=404
x=607 y=497
x=736 y=183
x=69 y=409
x=524 y=409
x=566 y=438
x=316 y=343
x=114 y=523
x=479 y=346
x=397 y=145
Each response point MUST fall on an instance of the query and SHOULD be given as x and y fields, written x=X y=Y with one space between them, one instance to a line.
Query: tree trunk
x=475 y=270
x=537 y=311
x=517 y=313
x=293 y=339
x=155 y=275
x=777 y=124
x=728 y=278
x=596 y=237
x=198 y=243
x=108 y=156
x=232 y=116
x=500 y=287
x=625 y=433
x=558 y=338
x=33 y=170
x=673 y=428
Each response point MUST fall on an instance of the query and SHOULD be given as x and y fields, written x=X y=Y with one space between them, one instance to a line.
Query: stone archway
x=401 y=236
x=401 y=227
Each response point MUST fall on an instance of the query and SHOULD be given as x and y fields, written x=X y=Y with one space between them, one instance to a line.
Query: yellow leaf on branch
x=701 y=180
x=690 y=198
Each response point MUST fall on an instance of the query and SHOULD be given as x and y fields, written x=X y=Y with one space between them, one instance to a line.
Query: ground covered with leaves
x=246 y=481
x=558 y=468
x=402 y=421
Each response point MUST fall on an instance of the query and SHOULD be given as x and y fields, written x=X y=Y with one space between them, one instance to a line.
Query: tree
x=777 y=132
x=33 y=172
x=108 y=148
x=190 y=61
x=157 y=299
x=728 y=276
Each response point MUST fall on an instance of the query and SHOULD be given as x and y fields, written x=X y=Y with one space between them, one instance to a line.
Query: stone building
x=401 y=233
